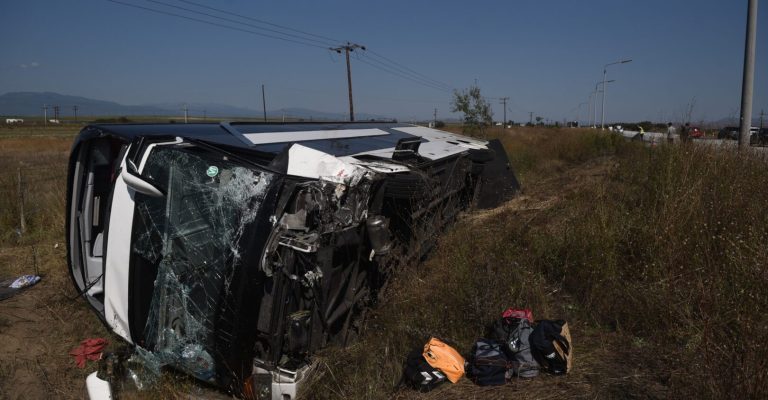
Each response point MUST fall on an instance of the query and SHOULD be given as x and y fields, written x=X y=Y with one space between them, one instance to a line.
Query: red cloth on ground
x=89 y=349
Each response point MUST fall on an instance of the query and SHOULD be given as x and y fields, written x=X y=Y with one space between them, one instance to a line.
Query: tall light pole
x=578 y=115
x=605 y=72
x=594 y=96
x=748 y=78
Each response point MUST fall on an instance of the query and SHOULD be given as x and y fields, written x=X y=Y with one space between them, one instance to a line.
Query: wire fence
x=32 y=200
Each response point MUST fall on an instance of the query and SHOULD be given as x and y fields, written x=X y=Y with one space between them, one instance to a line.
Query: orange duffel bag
x=445 y=358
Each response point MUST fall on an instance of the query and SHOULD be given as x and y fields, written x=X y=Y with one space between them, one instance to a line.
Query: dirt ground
x=39 y=326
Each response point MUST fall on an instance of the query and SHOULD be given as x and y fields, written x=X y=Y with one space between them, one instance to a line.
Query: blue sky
x=546 y=55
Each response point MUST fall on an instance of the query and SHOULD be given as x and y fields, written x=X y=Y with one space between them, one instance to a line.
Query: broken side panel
x=194 y=250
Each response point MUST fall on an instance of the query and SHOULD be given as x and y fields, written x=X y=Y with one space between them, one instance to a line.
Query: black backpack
x=419 y=374
x=487 y=363
x=514 y=333
x=551 y=343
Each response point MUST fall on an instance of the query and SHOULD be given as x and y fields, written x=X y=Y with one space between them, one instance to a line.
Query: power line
x=404 y=68
x=403 y=73
x=215 y=24
x=238 y=22
x=392 y=64
x=396 y=73
x=381 y=62
x=330 y=40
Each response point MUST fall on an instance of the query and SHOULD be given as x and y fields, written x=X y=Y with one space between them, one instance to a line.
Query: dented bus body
x=234 y=251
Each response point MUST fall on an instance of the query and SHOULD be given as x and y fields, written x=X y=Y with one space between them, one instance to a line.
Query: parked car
x=695 y=132
x=729 y=132
x=233 y=252
x=762 y=137
x=732 y=133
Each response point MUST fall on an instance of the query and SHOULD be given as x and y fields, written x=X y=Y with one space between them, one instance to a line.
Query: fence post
x=22 y=222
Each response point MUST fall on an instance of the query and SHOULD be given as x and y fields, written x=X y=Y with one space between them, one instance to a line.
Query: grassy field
x=655 y=256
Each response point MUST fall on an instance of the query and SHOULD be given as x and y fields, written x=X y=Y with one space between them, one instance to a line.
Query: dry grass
x=655 y=256
x=671 y=250
x=40 y=161
x=41 y=325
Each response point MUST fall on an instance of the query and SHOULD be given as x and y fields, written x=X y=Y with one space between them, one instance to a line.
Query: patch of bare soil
x=40 y=325
x=544 y=193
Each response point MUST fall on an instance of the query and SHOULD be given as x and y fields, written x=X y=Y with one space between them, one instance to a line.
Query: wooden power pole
x=504 y=103
x=347 y=48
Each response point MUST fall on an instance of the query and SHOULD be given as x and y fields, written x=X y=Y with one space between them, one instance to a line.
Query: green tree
x=477 y=111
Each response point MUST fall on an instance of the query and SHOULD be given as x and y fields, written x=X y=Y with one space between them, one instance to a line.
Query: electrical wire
x=330 y=40
x=386 y=68
x=215 y=24
x=393 y=72
x=375 y=59
x=409 y=70
x=323 y=42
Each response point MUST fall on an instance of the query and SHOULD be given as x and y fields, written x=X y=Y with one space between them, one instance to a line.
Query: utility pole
x=748 y=77
x=761 y=118
x=530 y=117
x=55 y=113
x=434 y=119
x=347 y=48
x=45 y=115
x=22 y=188
x=264 y=102
x=504 y=102
x=74 y=111
x=186 y=109
x=605 y=73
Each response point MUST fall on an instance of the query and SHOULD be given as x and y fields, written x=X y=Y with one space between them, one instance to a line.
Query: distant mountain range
x=25 y=104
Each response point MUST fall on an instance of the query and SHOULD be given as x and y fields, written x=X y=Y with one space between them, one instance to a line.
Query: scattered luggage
x=419 y=374
x=516 y=346
x=487 y=363
x=514 y=329
x=519 y=313
x=445 y=358
x=552 y=346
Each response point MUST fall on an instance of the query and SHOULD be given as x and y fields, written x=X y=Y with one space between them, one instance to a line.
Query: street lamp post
x=605 y=72
x=578 y=115
x=595 y=98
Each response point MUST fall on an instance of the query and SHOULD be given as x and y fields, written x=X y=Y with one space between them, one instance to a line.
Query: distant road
x=658 y=138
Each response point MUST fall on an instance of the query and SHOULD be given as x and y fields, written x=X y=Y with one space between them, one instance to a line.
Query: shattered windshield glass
x=191 y=238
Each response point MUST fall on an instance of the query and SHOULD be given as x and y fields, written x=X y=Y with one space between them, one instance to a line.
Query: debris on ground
x=89 y=349
x=11 y=287
x=516 y=347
